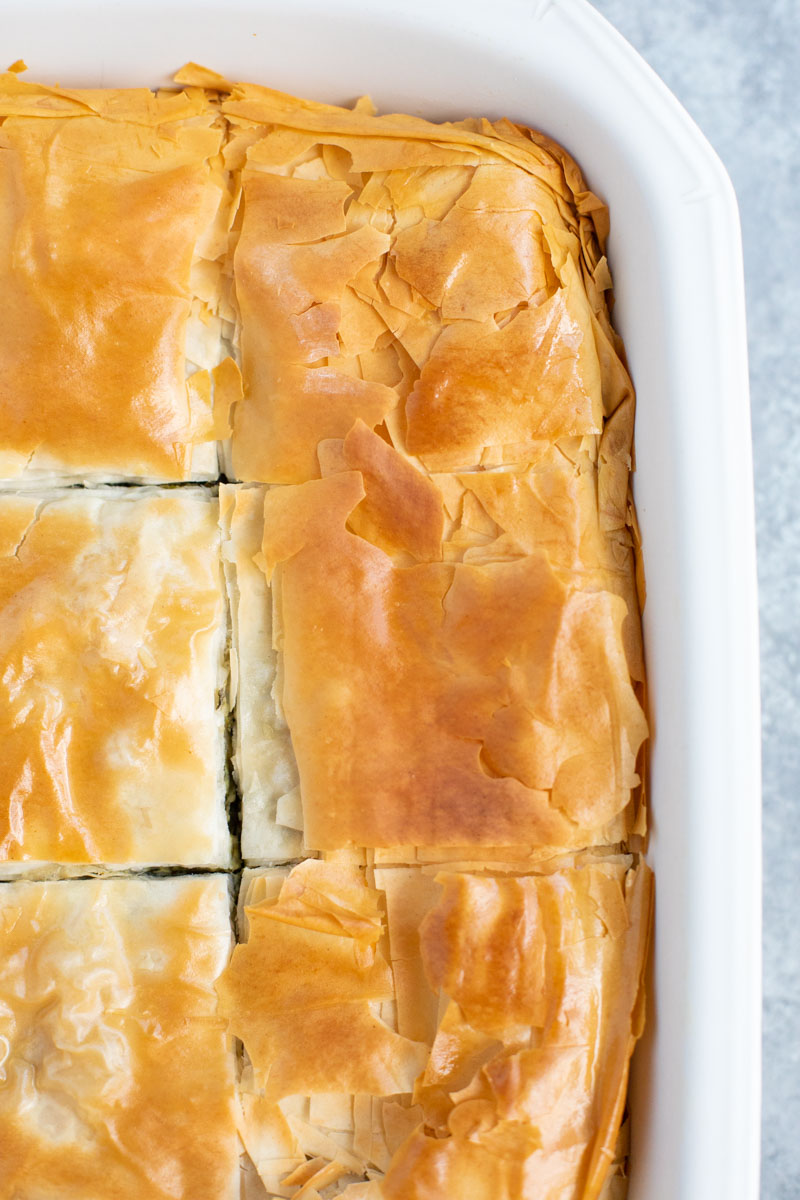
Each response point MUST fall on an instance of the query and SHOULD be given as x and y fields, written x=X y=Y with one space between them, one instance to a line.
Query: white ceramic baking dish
x=676 y=258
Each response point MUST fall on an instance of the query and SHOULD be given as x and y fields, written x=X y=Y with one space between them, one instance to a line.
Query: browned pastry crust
x=435 y=395
x=490 y=1061
x=117 y=1076
x=430 y=373
x=448 y=279
x=446 y=703
x=112 y=635
x=106 y=201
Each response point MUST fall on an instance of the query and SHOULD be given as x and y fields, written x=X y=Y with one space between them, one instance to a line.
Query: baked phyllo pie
x=395 y=338
x=113 y=208
x=419 y=1035
x=112 y=644
x=116 y=1076
x=435 y=394
x=458 y=658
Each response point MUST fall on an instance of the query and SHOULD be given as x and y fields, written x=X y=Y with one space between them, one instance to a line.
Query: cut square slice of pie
x=484 y=702
x=112 y=647
x=113 y=222
x=415 y=1035
x=118 y=1078
x=446 y=281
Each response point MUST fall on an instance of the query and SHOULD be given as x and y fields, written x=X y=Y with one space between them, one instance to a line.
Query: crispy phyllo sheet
x=112 y=637
x=117 y=1077
x=326 y=1139
x=446 y=280
x=446 y=703
x=303 y=993
x=114 y=213
x=525 y=995
x=524 y=1091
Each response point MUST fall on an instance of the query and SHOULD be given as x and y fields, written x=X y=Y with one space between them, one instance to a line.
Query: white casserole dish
x=676 y=258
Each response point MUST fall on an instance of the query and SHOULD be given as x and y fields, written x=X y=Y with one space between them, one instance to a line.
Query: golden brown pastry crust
x=424 y=328
x=300 y=994
x=117 y=1076
x=431 y=379
x=104 y=200
x=544 y=975
x=448 y=278
x=446 y=703
x=517 y=1000
x=112 y=633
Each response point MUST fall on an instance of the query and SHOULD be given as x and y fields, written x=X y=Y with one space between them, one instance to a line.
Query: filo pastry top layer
x=112 y=639
x=431 y=377
x=112 y=213
x=452 y=704
x=117 y=1079
x=473 y=1041
x=448 y=280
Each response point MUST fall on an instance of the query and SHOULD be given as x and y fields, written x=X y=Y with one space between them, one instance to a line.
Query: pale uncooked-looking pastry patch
x=264 y=762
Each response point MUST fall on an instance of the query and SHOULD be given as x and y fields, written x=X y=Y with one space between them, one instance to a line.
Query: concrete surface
x=735 y=65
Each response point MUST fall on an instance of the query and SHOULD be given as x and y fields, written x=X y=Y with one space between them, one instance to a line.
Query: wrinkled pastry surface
x=483 y=703
x=116 y=1075
x=104 y=198
x=447 y=280
x=437 y=401
x=510 y=1011
x=299 y=993
x=112 y=633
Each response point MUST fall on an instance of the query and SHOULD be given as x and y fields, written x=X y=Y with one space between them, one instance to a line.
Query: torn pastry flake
x=402 y=510
x=302 y=993
x=139 y=106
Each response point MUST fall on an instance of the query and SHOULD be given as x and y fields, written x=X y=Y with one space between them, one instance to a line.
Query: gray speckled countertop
x=735 y=65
